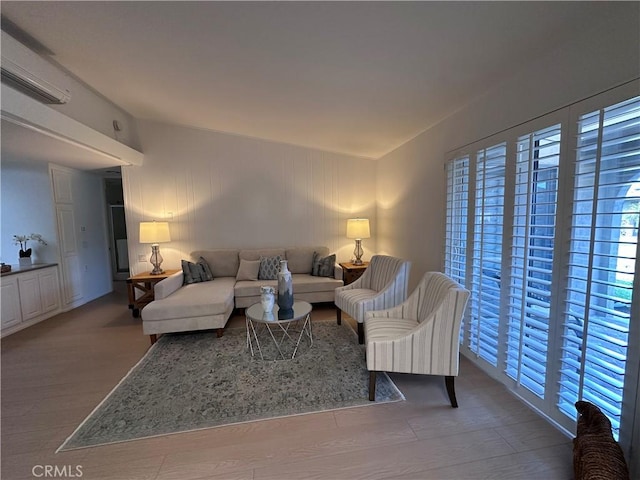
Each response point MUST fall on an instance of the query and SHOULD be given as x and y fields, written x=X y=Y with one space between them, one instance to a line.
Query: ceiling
x=353 y=77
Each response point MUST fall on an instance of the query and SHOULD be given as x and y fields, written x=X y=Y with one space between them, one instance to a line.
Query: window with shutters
x=456 y=231
x=542 y=228
x=602 y=258
x=531 y=262
x=487 y=252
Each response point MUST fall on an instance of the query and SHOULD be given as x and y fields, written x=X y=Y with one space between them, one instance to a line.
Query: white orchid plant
x=22 y=240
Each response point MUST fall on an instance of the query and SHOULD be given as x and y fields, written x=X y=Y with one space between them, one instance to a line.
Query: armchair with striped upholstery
x=382 y=285
x=419 y=336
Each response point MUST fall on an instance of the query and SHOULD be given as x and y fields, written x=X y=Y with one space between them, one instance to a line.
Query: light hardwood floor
x=56 y=372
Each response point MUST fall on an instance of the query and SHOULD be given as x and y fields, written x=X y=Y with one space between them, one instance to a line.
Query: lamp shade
x=154 y=232
x=358 y=228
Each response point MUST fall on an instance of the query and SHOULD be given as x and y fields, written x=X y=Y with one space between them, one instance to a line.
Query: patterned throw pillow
x=196 y=272
x=269 y=268
x=323 y=266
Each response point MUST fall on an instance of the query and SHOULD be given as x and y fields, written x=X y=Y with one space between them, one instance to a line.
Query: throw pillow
x=207 y=271
x=269 y=268
x=196 y=272
x=248 y=270
x=323 y=266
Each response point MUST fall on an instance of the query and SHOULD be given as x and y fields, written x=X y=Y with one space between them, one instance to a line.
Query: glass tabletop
x=300 y=310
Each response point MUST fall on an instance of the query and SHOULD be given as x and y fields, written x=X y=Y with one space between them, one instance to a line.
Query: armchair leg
x=372 y=386
x=451 y=390
x=219 y=332
x=360 y=333
x=154 y=338
x=339 y=315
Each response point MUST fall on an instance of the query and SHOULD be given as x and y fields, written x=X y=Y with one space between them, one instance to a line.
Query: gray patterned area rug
x=194 y=381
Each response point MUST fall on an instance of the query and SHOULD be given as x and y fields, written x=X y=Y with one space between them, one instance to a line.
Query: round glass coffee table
x=278 y=334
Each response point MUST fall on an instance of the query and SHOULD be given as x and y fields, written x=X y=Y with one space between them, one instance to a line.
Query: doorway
x=118 y=248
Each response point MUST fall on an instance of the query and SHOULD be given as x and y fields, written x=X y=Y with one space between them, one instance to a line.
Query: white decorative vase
x=285 y=287
x=267 y=298
x=25 y=261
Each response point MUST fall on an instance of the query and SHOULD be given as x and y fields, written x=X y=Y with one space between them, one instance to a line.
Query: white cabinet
x=49 y=290
x=30 y=302
x=11 y=314
x=29 y=298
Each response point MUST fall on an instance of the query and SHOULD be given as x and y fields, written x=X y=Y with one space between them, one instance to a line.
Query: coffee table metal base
x=268 y=336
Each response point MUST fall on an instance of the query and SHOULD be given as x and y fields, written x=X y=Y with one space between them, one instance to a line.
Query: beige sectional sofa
x=208 y=305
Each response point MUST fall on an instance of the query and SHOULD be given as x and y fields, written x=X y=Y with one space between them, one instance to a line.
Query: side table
x=352 y=272
x=143 y=283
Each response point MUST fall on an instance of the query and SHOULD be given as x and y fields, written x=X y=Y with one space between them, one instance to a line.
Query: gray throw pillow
x=269 y=268
x=323 y=266
x=196 y=272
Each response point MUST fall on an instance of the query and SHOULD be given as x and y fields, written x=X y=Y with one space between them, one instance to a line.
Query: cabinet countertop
x=27 y=268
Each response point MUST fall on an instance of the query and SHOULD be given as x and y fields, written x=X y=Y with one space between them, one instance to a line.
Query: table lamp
x=155 y=233
x=358 y=228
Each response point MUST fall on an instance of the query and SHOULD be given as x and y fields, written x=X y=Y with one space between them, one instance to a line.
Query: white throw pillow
x=248 y=270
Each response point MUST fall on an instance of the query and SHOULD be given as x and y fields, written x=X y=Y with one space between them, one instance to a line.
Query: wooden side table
x=351 y=272
x=143 y=282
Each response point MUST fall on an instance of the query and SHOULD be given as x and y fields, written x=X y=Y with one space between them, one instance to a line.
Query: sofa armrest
x=166 y=287
x=337 y=273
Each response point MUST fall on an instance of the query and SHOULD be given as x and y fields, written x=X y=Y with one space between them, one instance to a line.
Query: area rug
x=194 y=381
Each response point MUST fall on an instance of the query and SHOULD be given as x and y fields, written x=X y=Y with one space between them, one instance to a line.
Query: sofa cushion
x=222 y=262
x=194 y=300
x=269 y=267
x=256 y=253
x=302 y=283
x=300 y=259
x=247 y=288
x=323 y=266
x=307 y=284
x=248 y=270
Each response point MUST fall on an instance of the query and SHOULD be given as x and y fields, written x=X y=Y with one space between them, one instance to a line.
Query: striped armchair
x=382 y=285
x=419 y=336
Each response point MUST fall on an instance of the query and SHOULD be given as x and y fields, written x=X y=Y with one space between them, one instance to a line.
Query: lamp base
x=156 y=260
x=358 y=252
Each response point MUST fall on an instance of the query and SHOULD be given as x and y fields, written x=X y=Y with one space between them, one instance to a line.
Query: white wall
x=27 y=207
x=92 y=109
x=227 y=191
x=411 y=179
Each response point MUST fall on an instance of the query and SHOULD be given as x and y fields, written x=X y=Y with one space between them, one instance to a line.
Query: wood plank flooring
x=56 y=372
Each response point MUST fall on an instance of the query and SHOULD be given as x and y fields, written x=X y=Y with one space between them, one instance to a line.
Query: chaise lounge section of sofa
x=208 y=305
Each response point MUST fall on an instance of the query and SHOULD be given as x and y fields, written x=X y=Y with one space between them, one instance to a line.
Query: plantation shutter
x=602 y=258
x=455 y=256
x=456 y=228
x=534 y=228
x=487 y=252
